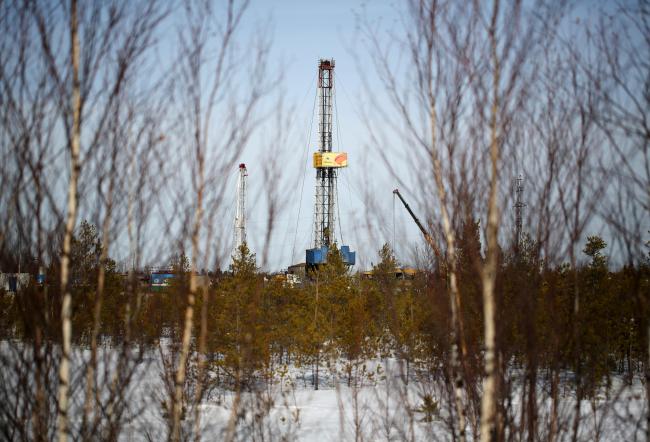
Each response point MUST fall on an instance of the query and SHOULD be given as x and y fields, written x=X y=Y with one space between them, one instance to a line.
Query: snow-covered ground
x=378 y=405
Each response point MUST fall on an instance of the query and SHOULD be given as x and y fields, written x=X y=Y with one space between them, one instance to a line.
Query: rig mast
x=519 y=206
x=324 y=210
x=326 y=164
x=240 y=214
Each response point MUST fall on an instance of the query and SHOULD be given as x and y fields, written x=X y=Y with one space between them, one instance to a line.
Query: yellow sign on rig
x=330 y=159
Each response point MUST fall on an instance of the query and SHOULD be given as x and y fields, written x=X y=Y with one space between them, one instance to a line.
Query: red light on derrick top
x=242 y=166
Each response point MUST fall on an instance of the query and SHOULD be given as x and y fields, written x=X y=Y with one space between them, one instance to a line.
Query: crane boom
x=427 y=237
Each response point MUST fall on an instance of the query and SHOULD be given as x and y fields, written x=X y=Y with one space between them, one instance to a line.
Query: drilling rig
x=240 y=213
x=519 y=206
x=327 y=163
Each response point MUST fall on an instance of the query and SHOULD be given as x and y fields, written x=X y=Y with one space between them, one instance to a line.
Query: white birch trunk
x=454 y=294
x=189 y=314
x=92 y=395
x=488 y=274
x=64 y=366
x=647 y=389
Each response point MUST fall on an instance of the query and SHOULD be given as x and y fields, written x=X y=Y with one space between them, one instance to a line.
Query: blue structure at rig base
x=319 y=255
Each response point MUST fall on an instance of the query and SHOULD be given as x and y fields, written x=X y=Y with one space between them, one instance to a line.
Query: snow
x=378 y=405
x=387 y=409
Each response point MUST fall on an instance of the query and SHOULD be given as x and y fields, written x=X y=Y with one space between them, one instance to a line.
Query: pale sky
x=303 y=32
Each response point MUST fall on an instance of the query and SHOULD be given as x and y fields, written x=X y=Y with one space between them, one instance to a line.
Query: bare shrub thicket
x=70 y=102
x=101 y=122
x=485 y=93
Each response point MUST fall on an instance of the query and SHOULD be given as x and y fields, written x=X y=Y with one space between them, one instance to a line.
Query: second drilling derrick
x=240 y=214
x=326 y=162
x=519 y=206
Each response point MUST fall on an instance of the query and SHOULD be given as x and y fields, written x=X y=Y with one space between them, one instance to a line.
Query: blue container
x=160 y=279
x=349 y=257
x=316 y=256
x=319 y=255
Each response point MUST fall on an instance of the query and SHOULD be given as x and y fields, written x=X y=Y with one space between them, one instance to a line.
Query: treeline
x=251 y=326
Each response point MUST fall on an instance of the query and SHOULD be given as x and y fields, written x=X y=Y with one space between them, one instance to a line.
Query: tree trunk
x=201 y=363
x=488 y=275
x=647 y=389
x=576 y=350
x=189 y=318
x=488 y=403
x=40 y=404
x=317 y=345
x=555 y=391
x=317 y=364
x=532 y=400
x=75 y=140
x=92 y=395
x=454 y=294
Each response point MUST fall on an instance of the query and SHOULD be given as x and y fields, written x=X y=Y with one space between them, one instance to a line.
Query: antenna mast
x=240 y=214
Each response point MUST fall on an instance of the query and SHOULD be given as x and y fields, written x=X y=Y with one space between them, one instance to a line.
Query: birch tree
x=219 y=107
x=620 y=74
x=77 y=59
x=471 y=74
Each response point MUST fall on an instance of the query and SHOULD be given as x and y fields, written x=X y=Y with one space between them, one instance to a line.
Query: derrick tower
x=326 y=162
x=519 y=206
x=240 y=212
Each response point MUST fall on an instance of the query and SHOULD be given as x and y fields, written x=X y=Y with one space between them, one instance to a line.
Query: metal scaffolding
x=519 y=206
x=326 y=163
x=324 y=210
x=240 y=213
